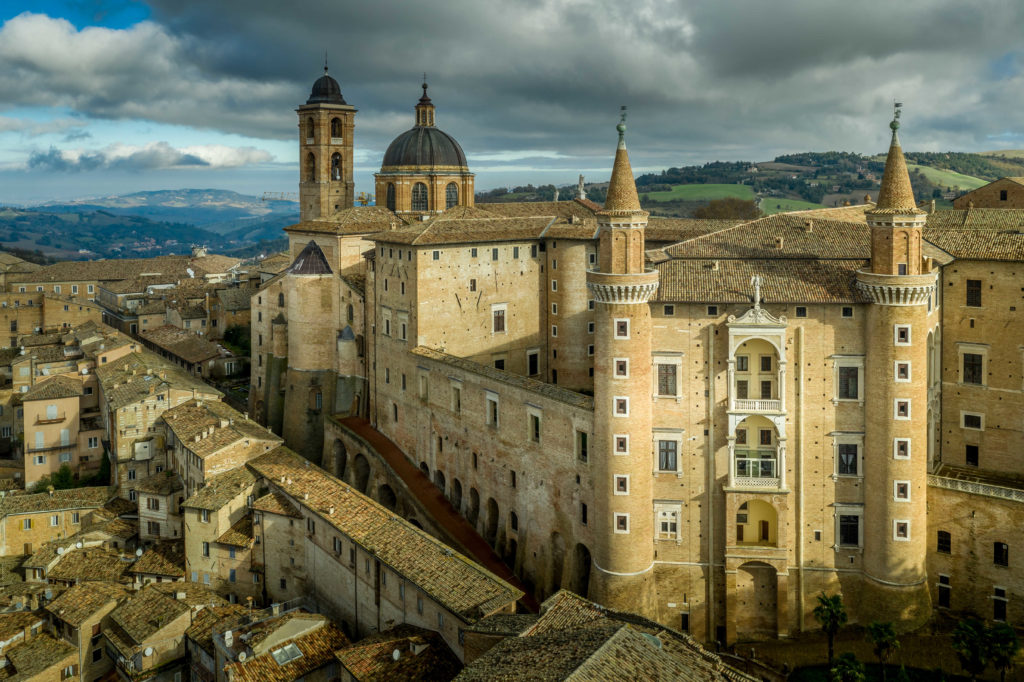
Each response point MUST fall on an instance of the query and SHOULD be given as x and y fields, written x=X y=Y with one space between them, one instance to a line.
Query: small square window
x=712 y=310
x=902 y=335
x=902 y=409
x=621 y=444
x=972 y=421
x=621 y=406
x=847 y=311
x=622 y=523
x=622 y=485
x=901 y=530
x=801 y=311
x=669 y=310
x=622 y=329
x=901 y=269
x=621 y=367
x=901 y=448
x=902 y=371
x=901 y=491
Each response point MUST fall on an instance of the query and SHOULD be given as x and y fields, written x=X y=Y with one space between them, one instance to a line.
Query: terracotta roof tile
x=276 y=503
x=33 y=657
x=219 y=490
x=165 y=558
x=317 y=650
x=239 y=534
x=978 y=233
x=74 y=498
x=89 y=564
x=206 y=427
x=54 y=388
x=201 y=630
x=180 y=343
x=80 y=602
x=355 y=220
x=372 y=658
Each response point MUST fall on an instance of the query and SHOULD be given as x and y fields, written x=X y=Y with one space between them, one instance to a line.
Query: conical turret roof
x=896 y=194
x=622 y=198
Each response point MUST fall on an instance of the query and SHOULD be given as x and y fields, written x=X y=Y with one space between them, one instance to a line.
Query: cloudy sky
x=110 y=96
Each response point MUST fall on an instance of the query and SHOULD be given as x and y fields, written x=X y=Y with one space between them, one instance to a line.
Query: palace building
x=708 y=422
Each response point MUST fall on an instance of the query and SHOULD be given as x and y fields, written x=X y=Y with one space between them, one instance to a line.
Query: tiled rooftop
x=80 y=602
x=89 y=564
x=137 y=376
x=317 y=650
x=126 y=268
x=206 y=427
x=180 y=343
x=33 y=657
x=239 y=534
x=163 y=483
x=19 y=621
x=219 y=490
x=153 y=607
x=166 y=558
x=201 y=630
x=74 y=498
x=372 y=658
x=54 y=388
x=465 y=224
x=978 y=233
x=355 y=220
x=449 y=578
x=276 y=503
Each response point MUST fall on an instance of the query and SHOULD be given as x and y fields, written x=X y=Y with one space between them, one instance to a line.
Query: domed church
x=424 y=169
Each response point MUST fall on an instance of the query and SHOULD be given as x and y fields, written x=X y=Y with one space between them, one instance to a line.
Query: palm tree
x=1003 y=647
x=971 y=646
x=831 y=614
x=883 y=637
x=848 y=669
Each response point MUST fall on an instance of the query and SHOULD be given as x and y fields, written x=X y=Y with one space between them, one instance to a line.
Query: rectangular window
x=668 y=455
x=712 y=310
x=494 y=254
x=535 y=428
x=55 y=520
x=492 y=412
x=766 y=363
x=437 y=255
x=766 y=390
x=973 y=293
x=582 y=451
x=849 y=383
x=554 y=330
x=622 y=485
x=669 y=310
x=901 y=448
x=498 y=319
x=901 y=409
x=667 y=380
x=622 y=523
x=667 y=523
x=554 y=285
x=622 y=329
x=532 y=363
x=944 y=591
x=765 y=436
x=801 y=311
x=742 y=390
x=849 y=530
x=621 y=367
x=847 y=311
x=515 y=252
x=902 y=371
x=847 y=459
x=902 y=335
x=204 y=515
x=901 y=491
x=944 y=543
x=206 y=549
x=472 y=285
x=621 y=405
x=741 y=436
x=901 y=530
x=971 y=455
x=554 y=308
x=1000 y=554
x=742 y=363
x=622 y=444
x=999 y=604
x=972 y=368
x=972 y=421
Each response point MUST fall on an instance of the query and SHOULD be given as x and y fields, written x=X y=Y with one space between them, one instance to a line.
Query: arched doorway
x=756 y=613
x=386 y=496
x=491 y=531
x=457 y=494
x=362 y=472
x=557 y=564
x=473 y=513
x=580 y=583
x=340 y=459
x=439 y=480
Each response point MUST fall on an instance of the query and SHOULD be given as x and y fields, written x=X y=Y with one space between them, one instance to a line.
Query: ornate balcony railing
x=761 y=405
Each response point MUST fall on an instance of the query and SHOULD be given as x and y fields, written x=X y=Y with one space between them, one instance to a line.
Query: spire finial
x=325 y=62
x=622 y=126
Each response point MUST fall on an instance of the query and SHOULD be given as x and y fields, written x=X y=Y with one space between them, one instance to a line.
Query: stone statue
x=580 y=192
x=755 y=281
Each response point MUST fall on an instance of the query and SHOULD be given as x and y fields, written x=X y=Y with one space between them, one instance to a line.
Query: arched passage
x=362 y=472
x=580 y=583
x=457 y=494
x=557 y=563
x=756 y=449
x=756 y=613
x=473 y=513
x=491 y=531
x=335 y=127
x=439 y=480
x=340 y=459
x=310 y=167
x=386 y=496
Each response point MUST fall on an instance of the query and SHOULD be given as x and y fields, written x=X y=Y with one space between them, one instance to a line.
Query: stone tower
x=622 y=518
x=309 y=288
x=900 y=284
x=326 y=123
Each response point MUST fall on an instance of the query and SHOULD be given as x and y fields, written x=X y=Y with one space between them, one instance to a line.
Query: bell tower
x=326 y=123
x=623 y=554
x=899 y=283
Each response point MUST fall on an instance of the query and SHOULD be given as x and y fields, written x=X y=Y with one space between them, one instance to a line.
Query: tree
x=831 y=614
x=847 y=669
x=730 y=207
x=1003 y=647
x=970 y=643
x=63 y=478
x=883 y=637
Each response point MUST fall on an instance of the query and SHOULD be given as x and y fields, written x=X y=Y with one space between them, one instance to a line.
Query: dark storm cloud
x=703 y=80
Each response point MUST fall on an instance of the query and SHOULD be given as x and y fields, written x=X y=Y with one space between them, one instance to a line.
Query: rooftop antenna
x=325 y=62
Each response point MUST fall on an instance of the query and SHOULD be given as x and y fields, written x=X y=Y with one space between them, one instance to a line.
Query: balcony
x=762 y=405
x=56 y=419
x=757 y=469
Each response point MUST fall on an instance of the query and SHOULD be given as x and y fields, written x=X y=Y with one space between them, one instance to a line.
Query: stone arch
x=581 y=561
x=451 y=195
x=491 y=530
x=756 y=613
x=439 y=480
x=310 y=128
x=757 y=523
x=473 y=513
x=557 y=563
x=386 y=496
x=335 y=166
x=390 y=196
x=310 y=167
x=456 y=497
x=335 y=127
x=362 y=472
x=340 y=459
x=420 y=200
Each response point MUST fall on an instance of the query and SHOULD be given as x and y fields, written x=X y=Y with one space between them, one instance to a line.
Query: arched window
x=310 y=129
x=280 y=300
x=419 y=197
x=391 y=196
x=335 y=127
x=451 y=195
x=335 y=166
x=310 y=167
x=351 y=313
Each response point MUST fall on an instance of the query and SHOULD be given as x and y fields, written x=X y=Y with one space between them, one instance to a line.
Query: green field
x=700 y=193
x=771 y=205
x=945 y=178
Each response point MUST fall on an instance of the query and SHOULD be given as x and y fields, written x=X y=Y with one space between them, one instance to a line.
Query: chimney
x=714 y=265
x=779 y=242
x=808 y=225
x=970 y=204
x=180 y=596
x=933 y=207
x=229 y=638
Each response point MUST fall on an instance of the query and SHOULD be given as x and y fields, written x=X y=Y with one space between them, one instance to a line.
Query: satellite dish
x=60 y=550
x=148 y=651
x=138 y=552
x=396 y=654
x=78 y=544
x=242 y=657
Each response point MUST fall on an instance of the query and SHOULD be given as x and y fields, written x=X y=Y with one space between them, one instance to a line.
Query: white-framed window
x=26 y=524
x=667 y=451
x=849 y=525
x=666 y=521
x=901 y=334
x=620 y=484
x=901 y=491
x=621 y=443
x=590 y=351
x=554 y=308
x=590 y=327
x=668 y=372
x=620 y=406
x=901 y=371
x=55 y=520
x=621 y=366
x=498 y=318
x=65 y=457
x=972 y=420
x=621 y=327
x=901 y=530
x=204 y=515
x=533 y=418
x=39 y=459
x=554 y=285
x=554 y=330
x=94 y=442
x=848 y=374
x=972 y=360
x=491 y=416
x=849 y=453
x=74 y=288
x=621 y=522
x=901 y=448
x=901 y=409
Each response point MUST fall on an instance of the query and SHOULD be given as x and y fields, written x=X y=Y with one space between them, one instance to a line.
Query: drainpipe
x=798 y=468
x=710 y=486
